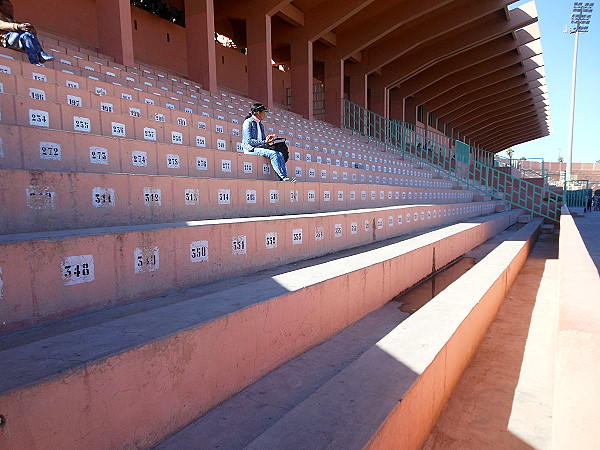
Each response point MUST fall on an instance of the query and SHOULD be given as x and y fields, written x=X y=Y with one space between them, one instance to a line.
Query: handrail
x=503 y=161
x=471 y=167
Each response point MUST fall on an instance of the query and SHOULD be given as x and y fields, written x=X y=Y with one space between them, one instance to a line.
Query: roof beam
x=484 y=30
x=473 y=61
x=442 y=24
x=291 y=15
x=497 y=126
x=479 y=99
x=492 y=110
x=528 y=71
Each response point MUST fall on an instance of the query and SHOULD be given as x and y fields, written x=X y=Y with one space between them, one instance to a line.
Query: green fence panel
x=577 y=193
x=478 y=170
x=463 y=151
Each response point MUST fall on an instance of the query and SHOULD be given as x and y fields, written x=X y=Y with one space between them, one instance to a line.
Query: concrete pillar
x=260 y=66
x=334 y=91
x=358 y=84
x=410 y=110
x=302 y=77
x=200 y=36
x=396 y=104
x=115 y=32
x=378 y=96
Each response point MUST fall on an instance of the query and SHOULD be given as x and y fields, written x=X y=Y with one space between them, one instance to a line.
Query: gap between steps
x=505 y=397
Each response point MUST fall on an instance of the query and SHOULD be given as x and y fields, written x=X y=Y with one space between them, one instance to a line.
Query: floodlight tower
x=580 y=22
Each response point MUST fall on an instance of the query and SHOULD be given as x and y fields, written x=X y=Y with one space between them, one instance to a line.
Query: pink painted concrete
x=94 y=394
x=51 y=16
x=200 y=32
x=114 y=19
x=62 y=300
x=409 y=424
x=577 y=394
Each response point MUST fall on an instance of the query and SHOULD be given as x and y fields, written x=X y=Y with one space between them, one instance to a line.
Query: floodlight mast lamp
x=580 y=22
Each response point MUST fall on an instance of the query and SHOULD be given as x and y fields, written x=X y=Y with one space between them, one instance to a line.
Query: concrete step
x=525 y=218
x=32 y=148
x=148 y=371
x=73 y=90
x=186 y=97
x=505 y=206
x=239 y=420
x=46 y=201
x=111 y=101
x=391 y=395
x=513 y=369
x=52 y=275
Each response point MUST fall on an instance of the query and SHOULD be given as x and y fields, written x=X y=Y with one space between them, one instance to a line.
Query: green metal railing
x=502 y=161
x=577 y=193
x=471 y=167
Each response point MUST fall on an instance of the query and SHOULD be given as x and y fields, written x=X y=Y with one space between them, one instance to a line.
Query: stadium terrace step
x=525 y=218
x=47 y=201
x=51 y=275
x=242 y=418
x=402 y=381
x=74 y=91
x=144 y=374
x=110 y=135
x=33 y=148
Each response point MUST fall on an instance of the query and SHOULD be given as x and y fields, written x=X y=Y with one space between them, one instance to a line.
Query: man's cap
x=258 y=107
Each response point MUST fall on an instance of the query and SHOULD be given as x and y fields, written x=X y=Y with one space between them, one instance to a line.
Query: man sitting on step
x=255 y=141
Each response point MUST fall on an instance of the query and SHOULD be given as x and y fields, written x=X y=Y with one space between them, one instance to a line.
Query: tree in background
x=162 y=9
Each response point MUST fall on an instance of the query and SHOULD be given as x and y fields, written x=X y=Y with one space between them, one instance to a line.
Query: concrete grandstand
x=160 y=288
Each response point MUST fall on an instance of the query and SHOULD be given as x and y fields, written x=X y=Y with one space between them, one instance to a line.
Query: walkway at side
x=504 y=400
x=589 y=229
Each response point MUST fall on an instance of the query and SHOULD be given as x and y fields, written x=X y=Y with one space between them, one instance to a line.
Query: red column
x=260 y=66
x=410 y=110
x=358 y=84
x=378 y=96
x=115 y=32
x=334 y=90
x=396 y=104
x=302 y=77
x=200 y=36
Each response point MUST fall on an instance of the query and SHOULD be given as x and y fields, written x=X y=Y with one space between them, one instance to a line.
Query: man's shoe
x=45 y=57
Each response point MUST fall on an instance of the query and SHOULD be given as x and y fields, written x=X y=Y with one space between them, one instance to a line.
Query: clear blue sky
x=558 y=59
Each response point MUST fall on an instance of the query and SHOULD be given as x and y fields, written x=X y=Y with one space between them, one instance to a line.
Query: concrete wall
x=554 y=166
x=156 y=41
x=74 y=18
x=151 y=44
x=576 y=390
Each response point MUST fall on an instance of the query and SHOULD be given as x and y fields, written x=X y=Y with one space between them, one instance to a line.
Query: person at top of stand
x=256 y=142
x=20 y=36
